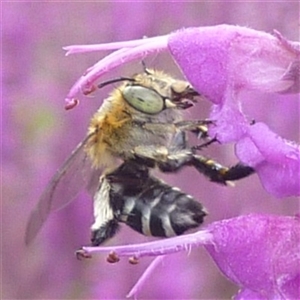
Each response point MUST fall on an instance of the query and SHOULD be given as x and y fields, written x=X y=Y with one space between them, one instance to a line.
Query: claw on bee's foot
x=207 y=122
x=112 y=257
x=82 y=254
x=201 y=146
x=133 y=260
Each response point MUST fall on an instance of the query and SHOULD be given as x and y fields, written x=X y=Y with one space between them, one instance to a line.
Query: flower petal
x=115 y=59
x=220 y=57
x=276 y=161
x=220 y=62
x=266 y=262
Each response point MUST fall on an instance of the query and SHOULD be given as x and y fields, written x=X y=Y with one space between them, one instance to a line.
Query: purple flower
x=260 y=253
x=222 y=62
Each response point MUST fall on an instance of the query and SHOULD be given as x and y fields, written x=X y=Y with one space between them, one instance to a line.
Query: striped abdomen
x=150 y=206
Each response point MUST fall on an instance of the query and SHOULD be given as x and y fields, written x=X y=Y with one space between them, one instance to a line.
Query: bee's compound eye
x=143 y=99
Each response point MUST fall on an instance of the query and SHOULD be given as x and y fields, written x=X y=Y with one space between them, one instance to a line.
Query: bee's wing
x=75 y=174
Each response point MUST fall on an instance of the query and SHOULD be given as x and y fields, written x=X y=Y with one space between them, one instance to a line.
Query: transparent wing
x=74 y=175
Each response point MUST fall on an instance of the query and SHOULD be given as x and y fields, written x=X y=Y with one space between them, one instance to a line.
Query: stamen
x=71 y=103
x=74 y=49
x=118 y=58
x=112 y=257
x=82 y=254
x=133 y=260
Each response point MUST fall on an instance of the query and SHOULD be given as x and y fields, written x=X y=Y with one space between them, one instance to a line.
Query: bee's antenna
x=102 y=84
x=146 y=70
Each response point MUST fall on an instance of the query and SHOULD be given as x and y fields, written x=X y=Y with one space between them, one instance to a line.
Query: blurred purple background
x=38 y=134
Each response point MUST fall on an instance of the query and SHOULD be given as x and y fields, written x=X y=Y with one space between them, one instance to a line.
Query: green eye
x=143 y=99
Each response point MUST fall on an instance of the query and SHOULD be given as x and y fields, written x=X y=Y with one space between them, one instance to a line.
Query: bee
x=139 y=127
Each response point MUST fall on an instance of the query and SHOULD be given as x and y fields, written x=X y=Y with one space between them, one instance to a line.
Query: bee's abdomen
x=162 y=211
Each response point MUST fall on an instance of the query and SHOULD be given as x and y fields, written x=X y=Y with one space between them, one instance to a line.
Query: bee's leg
x=219 y=173
x=190 y=125
x=198 y=127
x=105 y=232
x=204 y=145
x=106 y=224
x=212 y=170
x=163 y=158
x=173 y=161
x=201 y=132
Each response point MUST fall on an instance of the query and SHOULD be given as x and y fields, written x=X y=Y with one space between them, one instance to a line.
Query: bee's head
x=152 y=92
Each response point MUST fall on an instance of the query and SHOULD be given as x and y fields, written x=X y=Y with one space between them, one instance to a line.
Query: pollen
x=108 y=127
